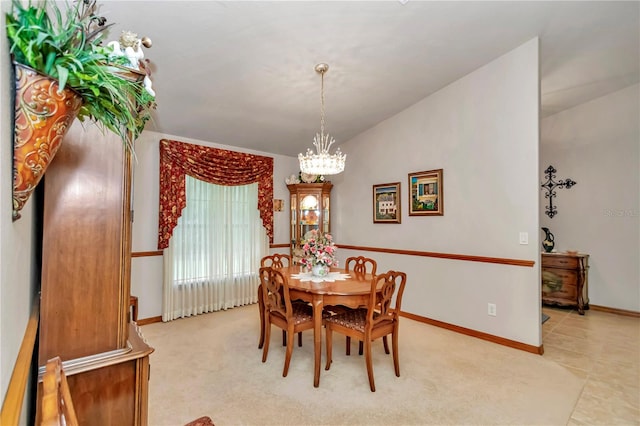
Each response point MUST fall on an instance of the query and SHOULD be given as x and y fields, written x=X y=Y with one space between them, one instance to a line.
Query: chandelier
x=322 y=163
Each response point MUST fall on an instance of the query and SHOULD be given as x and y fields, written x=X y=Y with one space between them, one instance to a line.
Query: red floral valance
x=213 y=165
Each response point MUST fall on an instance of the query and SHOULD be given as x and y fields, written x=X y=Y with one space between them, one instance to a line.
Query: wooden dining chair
x=201 y=421
x=361 y=265
x=57 y=406
x=376 y=321
x=277 y=260
x=281 y=312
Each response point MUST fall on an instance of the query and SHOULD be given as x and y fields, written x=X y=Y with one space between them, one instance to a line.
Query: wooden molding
x=151 y=320
x=539 y=350
x=159 y=252
x=466 y=257
x=146 y=253
x=285 y=245
x=15 y=396
x=136 y=348
x=624 y=312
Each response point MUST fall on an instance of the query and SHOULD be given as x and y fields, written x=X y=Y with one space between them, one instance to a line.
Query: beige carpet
x=211 y=365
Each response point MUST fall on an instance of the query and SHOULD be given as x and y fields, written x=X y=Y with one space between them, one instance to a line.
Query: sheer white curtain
x=214 y=255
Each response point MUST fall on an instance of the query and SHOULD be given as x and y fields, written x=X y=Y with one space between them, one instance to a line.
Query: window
x=219 y=235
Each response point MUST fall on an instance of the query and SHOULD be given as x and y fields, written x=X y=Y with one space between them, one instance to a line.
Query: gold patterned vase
x=42 y=117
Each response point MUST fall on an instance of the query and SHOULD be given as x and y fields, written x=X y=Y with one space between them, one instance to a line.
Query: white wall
x=597 y=144
x=146 y=272
x=18 y=278
x=483 y=131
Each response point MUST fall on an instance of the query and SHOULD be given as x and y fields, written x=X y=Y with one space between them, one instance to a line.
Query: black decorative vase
x=548 y=244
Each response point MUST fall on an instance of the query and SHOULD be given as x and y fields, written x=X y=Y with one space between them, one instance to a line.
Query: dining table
x=339 y=287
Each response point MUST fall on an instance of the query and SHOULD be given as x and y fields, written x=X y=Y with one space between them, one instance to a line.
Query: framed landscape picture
x=426 y=193
x=386 y=203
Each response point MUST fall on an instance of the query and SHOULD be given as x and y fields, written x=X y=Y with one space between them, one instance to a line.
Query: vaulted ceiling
x=242 y=73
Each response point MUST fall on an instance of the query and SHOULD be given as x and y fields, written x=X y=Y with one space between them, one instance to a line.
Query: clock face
x=308 y=178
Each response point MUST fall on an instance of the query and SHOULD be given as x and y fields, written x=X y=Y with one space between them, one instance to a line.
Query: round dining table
x=348 y=289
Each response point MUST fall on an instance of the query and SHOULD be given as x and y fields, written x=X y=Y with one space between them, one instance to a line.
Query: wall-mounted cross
x=550 y=185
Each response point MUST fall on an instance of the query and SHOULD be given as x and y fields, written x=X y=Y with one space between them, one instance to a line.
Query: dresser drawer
x=559 y=283
x=564 y=280
x=559 y=261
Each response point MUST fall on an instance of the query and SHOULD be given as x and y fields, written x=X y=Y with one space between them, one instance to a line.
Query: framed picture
x=278 y=205
x=386 y=203
x=426 y=193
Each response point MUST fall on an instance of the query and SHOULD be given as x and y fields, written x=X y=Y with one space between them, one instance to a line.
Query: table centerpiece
x=318 y=252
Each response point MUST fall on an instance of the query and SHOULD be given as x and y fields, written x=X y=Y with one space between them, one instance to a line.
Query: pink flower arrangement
x=318 y=248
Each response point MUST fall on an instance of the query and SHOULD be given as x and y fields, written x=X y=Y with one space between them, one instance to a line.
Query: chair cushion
x=352 y=318
x=325 y=313
x=302 y=312
x=336 y=309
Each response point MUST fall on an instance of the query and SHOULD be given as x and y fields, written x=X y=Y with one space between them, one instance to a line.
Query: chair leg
x=348 y=344
x=133 y=302
x=284 y=338
x=360 y=348
x=261 y=309
x=300 y=339
x=267 y=338
x=329 y=344
x=396 y=360
x=386 y=345
x=369 y=362
x=287 y=358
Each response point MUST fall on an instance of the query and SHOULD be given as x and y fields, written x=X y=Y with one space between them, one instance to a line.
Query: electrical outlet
x=491 y=309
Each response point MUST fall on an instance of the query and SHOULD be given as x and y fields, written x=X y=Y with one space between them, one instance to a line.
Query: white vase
x=320 y=270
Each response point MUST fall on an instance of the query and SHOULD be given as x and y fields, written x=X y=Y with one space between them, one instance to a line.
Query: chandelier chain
x=322 y=103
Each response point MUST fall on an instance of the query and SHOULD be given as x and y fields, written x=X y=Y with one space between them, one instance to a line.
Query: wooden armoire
x=86 y=259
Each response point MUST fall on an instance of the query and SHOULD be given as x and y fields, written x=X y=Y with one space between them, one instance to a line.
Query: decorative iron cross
x=550 y=185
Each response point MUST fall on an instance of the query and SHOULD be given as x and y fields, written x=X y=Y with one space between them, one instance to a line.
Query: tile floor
x=604 y=350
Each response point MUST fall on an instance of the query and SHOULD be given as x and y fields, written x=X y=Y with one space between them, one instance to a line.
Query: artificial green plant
x=68 y=47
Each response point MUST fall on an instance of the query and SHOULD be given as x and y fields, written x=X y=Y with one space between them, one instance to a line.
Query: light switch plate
x=524 y=238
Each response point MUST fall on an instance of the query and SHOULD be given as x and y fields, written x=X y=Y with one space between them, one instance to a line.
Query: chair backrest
x=275 y=292
x=57 y=407
x=201 y=421
x=276 y=260
x=393 y=282
x=362 y=265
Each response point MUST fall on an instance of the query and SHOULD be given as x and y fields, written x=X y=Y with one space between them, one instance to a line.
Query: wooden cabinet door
x=86 y=246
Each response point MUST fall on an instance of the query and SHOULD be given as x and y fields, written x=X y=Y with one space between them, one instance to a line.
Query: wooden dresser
x=85 y=289
x=565 y=280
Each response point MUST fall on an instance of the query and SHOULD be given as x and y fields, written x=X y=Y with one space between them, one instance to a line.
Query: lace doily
x=330 y=277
